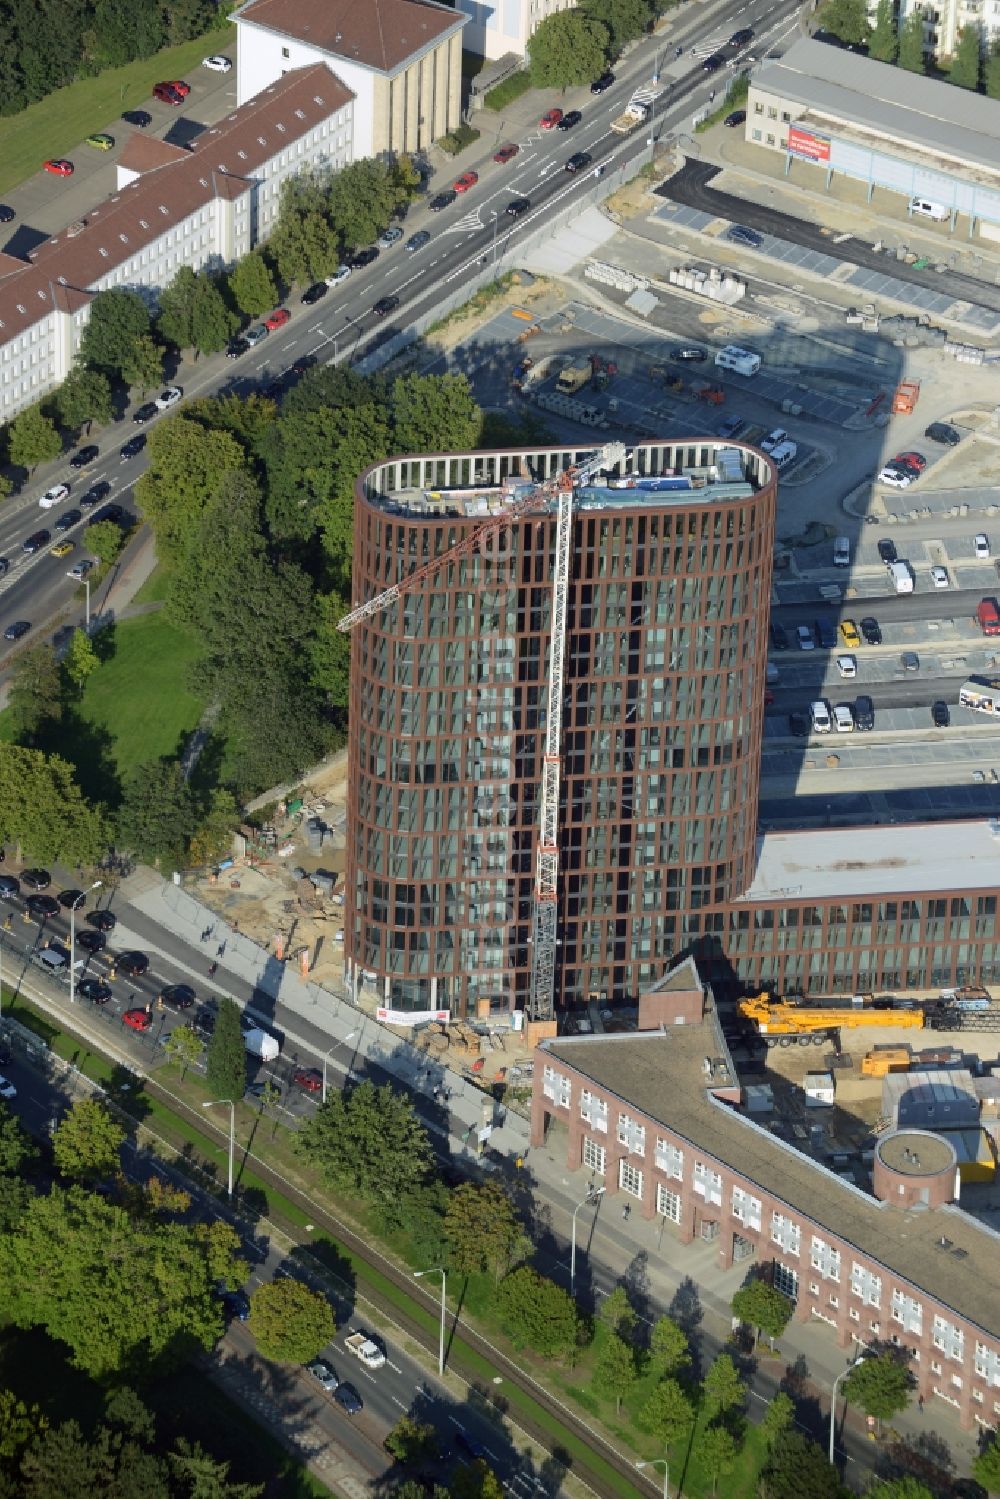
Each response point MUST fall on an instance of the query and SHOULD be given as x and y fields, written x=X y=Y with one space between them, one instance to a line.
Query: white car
x=847 y=666
x=7 y=1089
x=940 y=578
x=804 y=636
x=168 y=398
x=339 y=276
x=53 y=496
x=80 y=571
x=981 y=545
x=898 y=478
x=843 y=717
x=217 y=64
x=773 y=440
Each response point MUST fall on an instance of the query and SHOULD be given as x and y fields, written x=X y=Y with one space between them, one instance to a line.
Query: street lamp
x=654 y=1462
x=494 y=216
x=86 y=584
x=437 y=1270
x=232 y=1135
x=833 y=1397
x=72 y=937
x=594 y=1194
x=333 y=1048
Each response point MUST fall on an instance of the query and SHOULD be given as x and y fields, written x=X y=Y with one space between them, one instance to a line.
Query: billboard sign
x=804 y=143
x=412 y=1017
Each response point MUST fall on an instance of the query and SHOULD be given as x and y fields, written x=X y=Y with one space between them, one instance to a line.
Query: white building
x=401 y=59
x=497 y=27
x=944 y=19
x=200 y=206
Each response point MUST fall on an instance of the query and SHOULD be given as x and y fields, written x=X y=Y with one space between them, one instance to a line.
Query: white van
x=901 y=576
x=743 y=361
x=819 y=712
x=842 y=552
x=847 y=666
x=782 y=455
x=928 y=209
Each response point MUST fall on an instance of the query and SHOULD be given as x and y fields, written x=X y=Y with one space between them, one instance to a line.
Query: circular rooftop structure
x=914 y=1166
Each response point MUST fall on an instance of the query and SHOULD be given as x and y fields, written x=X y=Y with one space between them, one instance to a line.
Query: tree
x=35 y=693
x=118 y=320
x=614 y=1371
x=187 y=466
x=143 y=365
x=798 y=1466
x=17 y=1149
x=212 y=839
x=986 y=1467
x=157 y=813
x=624 y=19
x=716 y=1448
x=900 y=1488
x=765 y=1308
x=368 y=1141
x=482 y=1228
x=249 y=418
x=43 y=810
x=207 y=1477
x=80 y=661
x=965 y=63
x=991 y=72
x=618 y=1313
x=879 y=1385
x=305 y=245
x=184 y=1046
x=475 y=1480
x=123 y=1409
x=33 y=439
x=846 y=19
x=669 y=1350
x=667 y=1413
x=212 y=323
x=911 y=43
x=290 y=1321
x=87 y=1142
x=106 y=539
x=723 y=1389
x=883 y=44
x=226 y=1062
x=21 y=1425
x=538 y=1314
x=175 y=321
x=778 y=1417
x=434 y=413
x=251 y=285
x=360 y=200
x=411 y=1441
x=568 y=49
x=83 y=398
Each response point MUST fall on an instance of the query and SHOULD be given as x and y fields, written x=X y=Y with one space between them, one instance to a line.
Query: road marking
x=400 y=1403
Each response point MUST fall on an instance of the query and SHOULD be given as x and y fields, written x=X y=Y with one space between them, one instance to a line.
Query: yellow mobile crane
x=784 y=1023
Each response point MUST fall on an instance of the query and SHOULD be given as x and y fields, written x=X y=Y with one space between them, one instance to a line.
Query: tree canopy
x=157 y=814
x=369 y=1141
x=118 y=320
x=187 y=465
x=568 y=49
x=965 y=65
x=34 y=696
x=879 y=1385
x=766 y=1309
x=87 y=1142
x=537 y=1313
x=290 y=1321
x=911 y=54
x=84 y=397
x=482 y=1228
x=252 y=286
x=226 y=1063
x=33 y=439
x=42 y=809
x=846 y=19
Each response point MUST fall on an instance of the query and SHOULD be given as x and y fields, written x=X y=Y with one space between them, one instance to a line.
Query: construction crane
x=793 y=1024
x=525 y=499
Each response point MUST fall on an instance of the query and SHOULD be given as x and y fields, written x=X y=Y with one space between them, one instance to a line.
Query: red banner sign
x=804 y=143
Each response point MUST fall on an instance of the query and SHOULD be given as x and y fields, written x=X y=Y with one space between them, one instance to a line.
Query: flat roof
x=942 y=1251
x=889 y=101
x=876 y=860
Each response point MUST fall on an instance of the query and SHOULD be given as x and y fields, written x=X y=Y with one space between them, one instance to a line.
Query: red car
x=167 y=94
x=182 y=88
x=550 y=119
x=506 y=153
x=915 y=462
x=279 y=317
x=138 y=1020
x=58 y=167
x=467 y=180
x=309 y=1078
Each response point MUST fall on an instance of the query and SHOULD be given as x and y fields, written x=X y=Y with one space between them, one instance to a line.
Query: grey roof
x=660 y=1074
x=898 y=107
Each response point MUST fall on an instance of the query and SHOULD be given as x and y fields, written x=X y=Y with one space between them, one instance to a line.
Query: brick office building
x=651 y=1115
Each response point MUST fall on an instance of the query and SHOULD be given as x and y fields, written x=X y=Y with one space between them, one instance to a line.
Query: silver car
x=321 y=1371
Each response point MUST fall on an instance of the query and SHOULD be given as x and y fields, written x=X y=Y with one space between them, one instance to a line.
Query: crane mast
x=541 y=994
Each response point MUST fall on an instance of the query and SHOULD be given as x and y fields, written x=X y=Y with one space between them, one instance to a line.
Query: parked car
x=144 y=413
x=390 y=237
x=217 y=63
x=738 y=117
x=167 y=94
x=100 y=141
x=442 y=200
x=826 y=633
x=53 y=496
x=84 y=457
x=137 y=1019
x=58 y=166
x=36 y=879
x=910 y=661
x=804 y=638
x=339 y=276
x=798 y=724
x=843 y=718
x=741 y=235
x=464 y=183
x=17 y=630
x=418 y=240
x=42 y=907
x=940 y=578
x=255 y=335
x=506 y=153
x=313 y=294
x=692 y=353
x=550 y=119
x=7 y=214
x=981 y=546
x=80 y=571
x=779 y=636
x=571 y=118
x=348 y=1399
x=140 y=118
x=277 y=319
x=887 y=551
x=309 y=1078
x=850 y=634
x=940 y=714
x=363 y=257
x=731 y=425
x=864 y=713
x=236 y=348
x=321 y=1371
x=945 y=433
x=602 y=84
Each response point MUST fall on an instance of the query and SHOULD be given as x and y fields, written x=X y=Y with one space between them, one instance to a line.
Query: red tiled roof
x=380 y=34
x=144 y=153
x=217 y=165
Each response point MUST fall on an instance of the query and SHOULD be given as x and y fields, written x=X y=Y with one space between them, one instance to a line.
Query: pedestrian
x=711 y=97
x=920 y=1404
x=625 y=1212
x=213 y=969
x=236 y=928
x=206 y=934
x=222 y=948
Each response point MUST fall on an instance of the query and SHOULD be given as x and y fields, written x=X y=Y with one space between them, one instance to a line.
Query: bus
x=982 y=694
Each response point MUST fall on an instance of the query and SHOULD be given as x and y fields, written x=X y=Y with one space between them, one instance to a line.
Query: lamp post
x=833 y=1396
x=654 y=1462
x=232 y=1135
x=86 y=584
x=593 y=1195
x=494 y=216
x=333 y=1048
x=72 y=937
x=437 y=1270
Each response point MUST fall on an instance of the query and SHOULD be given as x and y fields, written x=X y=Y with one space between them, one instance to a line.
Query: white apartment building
x=401 y=59
x=200 y=206
x=944 y=19
x=497 y=27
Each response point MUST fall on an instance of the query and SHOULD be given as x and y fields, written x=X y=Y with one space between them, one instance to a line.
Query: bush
x=505 y=93
x=458 y=139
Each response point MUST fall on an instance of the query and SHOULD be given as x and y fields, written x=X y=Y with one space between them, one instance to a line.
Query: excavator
x=783 y=1022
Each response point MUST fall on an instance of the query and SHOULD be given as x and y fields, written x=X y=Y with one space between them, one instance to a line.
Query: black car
x=42 y=907
x=313 y=293
x=826 y=634
x=91 y=941
x=602 y=84
x=68 y=521
x=864 y=713
x=348 y=1399
x=95 y=494
x=96 y=990
x=85 y=457
x=517 y=206
x=418 y=240
x=887 y=551
x=741 y=38
x=361 y=258
x=578 y=161
x=741 y=235
x=204 y=1021
x=144 y=413
x=871 y=630
x=6 y=213
x=385 y=305
x=140 y=118
x=35 y=542
x=945 y=433
x=690 y=352
x=132 y=963
x=103 y=921
x=114 y=513
x=4 y=566
x=178 y=996
x=36 y=879
x=132 y=448
x=738 y=117
x=236 y=1304
x=798 y=724
x=442 y=200
x=70 y=898
x=714 y=61
x=236 y=348
x=571 y=118
x=940 y=714
x=17 y=630
x=470 y=1445
x=10 y=886
x=779 y=636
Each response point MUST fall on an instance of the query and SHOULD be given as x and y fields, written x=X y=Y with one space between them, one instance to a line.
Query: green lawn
x=156 y=586
x=56 y=125
x=140 y=697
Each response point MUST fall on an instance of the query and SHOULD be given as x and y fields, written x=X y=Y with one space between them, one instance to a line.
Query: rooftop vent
x=144 y=223
x=261 y=141
x=242 y=155
x=163 y=208
x=203 y=181
x=41 y=294
x=75 y=229
x=123 y=238
x=21 y=308
x=62 y=281
x=318 y=100
x=104 y=252
x=279 y=127
x=300 y=114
